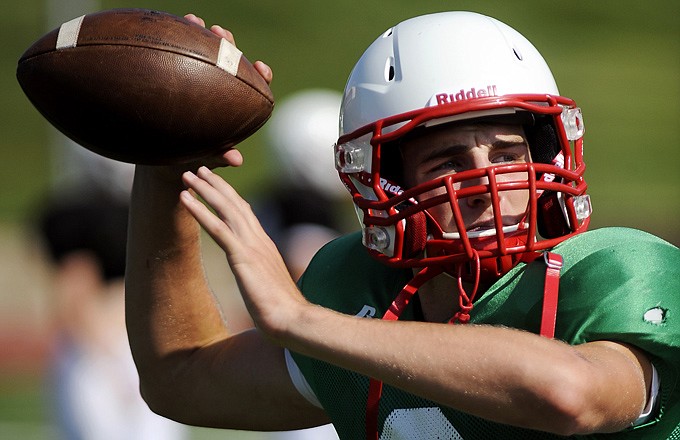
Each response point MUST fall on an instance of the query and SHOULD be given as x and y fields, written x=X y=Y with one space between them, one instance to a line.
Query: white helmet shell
x=442 y=68
x=301 y=133
x=439 y=58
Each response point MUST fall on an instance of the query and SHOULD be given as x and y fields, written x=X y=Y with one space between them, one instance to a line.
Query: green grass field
x=617 y=58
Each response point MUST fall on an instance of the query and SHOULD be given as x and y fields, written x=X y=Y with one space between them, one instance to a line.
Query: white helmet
x=445 y=67
x=301 y=133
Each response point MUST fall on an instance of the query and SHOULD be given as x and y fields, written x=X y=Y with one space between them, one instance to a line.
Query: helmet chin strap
x=392 y=314
x=465 y=301
x=462 y=315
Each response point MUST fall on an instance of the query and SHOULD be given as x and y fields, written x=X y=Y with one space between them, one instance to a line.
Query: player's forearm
x=500 y=374
x=170 y=310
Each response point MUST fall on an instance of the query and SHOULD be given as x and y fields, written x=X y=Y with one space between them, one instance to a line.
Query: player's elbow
x=571 y=408
x=568 y=412
x=165 y=402
x=156 y=398
x=162 y=391
x=151 y=397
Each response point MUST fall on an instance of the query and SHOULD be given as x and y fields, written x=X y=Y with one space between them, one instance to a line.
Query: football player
x=473 y=303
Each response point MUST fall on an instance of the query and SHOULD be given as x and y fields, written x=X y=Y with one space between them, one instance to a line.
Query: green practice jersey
x=617 y=284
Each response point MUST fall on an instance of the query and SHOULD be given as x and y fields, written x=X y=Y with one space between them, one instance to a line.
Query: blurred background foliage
x=619 y=59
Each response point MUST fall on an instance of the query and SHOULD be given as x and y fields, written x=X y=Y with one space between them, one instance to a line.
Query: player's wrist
x=301 y=320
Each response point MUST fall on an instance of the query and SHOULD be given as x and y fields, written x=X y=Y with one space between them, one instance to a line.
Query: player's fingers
x=224 y=33
x=227 y=203
x=264 y=70
x=194 y=19
x=231 y=158
x=224 y=205
x=211 y=196
x=216 y=228
x=218 y=30
x=233 y=224
x=218 y=194
x=217 y=183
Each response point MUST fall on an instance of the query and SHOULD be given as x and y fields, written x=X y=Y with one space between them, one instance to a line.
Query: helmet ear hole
x=391 y=163
x=550 y=218
x=542 y=138
x=415 y=235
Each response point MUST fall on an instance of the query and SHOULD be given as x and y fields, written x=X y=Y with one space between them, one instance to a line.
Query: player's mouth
x=480 y=226
x=485 y=228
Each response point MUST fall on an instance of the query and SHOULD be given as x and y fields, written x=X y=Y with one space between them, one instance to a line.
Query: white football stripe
x=228 y=57
x=68 y=33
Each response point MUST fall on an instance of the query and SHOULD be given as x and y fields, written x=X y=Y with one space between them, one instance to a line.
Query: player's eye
x=508 y=157
x=448 y=166
x=504 y=158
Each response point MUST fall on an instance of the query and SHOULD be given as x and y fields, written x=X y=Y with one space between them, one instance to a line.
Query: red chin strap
x=392 y=314
x=465 y=302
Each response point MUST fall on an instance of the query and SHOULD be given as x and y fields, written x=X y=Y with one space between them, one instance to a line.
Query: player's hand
x=230 y=157
x=218 y=30
x=270 y=294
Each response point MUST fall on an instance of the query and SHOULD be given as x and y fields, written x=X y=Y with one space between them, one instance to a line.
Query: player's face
x=450 y=150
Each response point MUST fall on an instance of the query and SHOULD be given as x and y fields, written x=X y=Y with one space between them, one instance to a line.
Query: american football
x=144 y=86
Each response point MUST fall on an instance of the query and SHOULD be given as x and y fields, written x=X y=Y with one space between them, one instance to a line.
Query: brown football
x=144 y=86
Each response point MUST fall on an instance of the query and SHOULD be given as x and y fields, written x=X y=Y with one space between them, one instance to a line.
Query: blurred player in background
x=466 y=168
x=93 y=383
x=301 y=212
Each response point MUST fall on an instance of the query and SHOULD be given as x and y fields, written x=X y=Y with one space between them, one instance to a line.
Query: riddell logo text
x=446 y=98
x=389 y=187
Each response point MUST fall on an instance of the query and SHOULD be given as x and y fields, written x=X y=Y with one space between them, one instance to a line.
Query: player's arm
x=506 y=375
x=500 y=374
x=191 y=369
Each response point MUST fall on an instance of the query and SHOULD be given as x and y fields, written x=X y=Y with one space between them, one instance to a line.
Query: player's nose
x=482 y=197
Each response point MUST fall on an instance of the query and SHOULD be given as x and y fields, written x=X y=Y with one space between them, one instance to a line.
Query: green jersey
x=616 y=284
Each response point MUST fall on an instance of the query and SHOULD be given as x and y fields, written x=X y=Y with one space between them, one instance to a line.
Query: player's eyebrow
x=444 y=152
x=509 y=141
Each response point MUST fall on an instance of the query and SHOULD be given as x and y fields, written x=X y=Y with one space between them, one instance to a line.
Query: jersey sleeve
x=299 y=381
x=623 y=285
